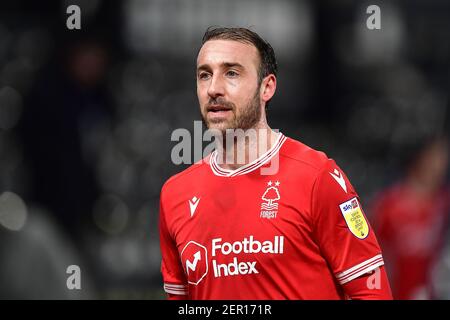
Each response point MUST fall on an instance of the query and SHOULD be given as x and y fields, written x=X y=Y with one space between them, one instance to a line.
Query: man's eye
x=232 y=73
x=203 y=76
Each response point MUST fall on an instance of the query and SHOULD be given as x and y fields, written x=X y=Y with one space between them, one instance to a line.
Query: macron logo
x=193 y=265
x=340 y=179
x=193 y=203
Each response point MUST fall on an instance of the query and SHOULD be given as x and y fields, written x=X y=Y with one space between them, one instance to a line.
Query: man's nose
x=216 y=87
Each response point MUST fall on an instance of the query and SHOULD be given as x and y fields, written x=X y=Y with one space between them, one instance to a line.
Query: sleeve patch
x=354 y=217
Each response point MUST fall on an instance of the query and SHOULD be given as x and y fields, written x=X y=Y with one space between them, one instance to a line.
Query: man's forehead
x=223 y=51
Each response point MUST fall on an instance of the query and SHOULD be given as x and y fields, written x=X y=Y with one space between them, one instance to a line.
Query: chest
x=236 y=209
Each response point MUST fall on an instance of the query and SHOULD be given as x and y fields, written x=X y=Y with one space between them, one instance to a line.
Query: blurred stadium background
x=86 y=117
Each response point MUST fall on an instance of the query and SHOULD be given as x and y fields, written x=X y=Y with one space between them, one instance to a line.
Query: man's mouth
x=217 y=108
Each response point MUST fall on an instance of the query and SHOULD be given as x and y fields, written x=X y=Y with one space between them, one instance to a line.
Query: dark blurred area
x=86 y=118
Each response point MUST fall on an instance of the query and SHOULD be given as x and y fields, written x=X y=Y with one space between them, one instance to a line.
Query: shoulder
x=183 y=179
x=302 y=155
x=316 y=169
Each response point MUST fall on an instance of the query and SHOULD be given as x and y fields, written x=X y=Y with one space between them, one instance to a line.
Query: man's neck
x=241 y=147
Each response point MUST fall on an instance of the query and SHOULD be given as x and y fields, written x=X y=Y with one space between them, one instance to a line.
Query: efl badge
x=354 y=218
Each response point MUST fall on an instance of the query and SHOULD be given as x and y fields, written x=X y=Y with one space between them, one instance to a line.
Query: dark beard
x=249 y=117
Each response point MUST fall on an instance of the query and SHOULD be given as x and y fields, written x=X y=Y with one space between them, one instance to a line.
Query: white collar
x=218 y=171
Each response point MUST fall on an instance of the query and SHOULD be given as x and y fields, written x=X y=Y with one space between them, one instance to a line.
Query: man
x=411 y=219
x=284 y=223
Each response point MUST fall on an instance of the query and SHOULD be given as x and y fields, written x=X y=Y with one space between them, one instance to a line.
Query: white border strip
x=217 y=170
x=262 y=161
x=177 y=289
x=360 y=269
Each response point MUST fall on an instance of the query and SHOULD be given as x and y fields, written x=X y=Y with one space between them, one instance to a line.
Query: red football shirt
x=296 y=231
x=411 y=227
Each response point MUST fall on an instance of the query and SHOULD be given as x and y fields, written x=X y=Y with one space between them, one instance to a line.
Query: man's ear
x=268 y=87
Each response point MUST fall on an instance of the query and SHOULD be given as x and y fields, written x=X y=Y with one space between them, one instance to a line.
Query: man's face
x=227 y=85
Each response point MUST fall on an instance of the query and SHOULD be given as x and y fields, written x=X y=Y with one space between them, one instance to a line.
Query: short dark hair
x=268 y=63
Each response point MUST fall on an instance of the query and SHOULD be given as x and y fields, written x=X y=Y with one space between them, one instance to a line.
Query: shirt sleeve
x=341 y=228
x=175 y=284
x=370 y=286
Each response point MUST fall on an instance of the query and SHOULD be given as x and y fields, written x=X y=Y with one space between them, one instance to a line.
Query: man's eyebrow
x=203 y=67
x=232 y=64
x=223 y=64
